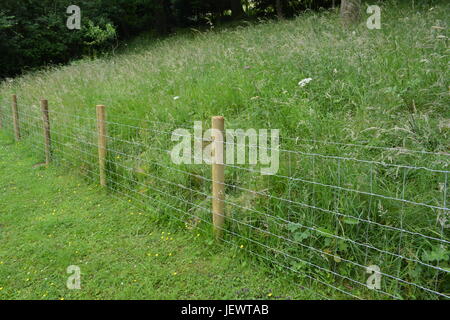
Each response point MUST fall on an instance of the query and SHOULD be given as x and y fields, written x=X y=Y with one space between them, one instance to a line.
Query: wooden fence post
x=218 y=175
x=101 y=130
x=46 y=126
x=15 y=114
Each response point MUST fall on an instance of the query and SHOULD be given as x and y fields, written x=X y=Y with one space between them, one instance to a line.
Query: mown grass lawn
x=376 y=96
x=50 y=219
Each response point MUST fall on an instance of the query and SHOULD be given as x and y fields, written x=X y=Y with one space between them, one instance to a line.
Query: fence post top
x=218 y=117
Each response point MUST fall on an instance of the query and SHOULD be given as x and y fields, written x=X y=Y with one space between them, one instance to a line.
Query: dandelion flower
x=270 y=294
x=242 y=246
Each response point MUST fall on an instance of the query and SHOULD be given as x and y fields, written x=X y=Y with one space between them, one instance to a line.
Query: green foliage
x=6 y=21
x=34 y=33
x=437 y=254
x=290 y=7
x=97 y=36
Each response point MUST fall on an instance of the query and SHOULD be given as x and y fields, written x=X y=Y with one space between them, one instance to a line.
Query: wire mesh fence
x=346 y=220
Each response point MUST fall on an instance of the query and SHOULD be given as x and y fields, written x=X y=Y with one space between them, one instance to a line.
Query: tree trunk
x=161 y=17
x=237 y=11
x=279 y=7
x=350 y=11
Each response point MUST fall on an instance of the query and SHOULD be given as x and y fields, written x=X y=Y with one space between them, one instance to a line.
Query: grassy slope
x=385 y=87
x=361 y=78
x=50 y=220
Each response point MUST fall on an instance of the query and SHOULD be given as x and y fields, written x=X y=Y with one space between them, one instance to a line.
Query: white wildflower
x=304 y=82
